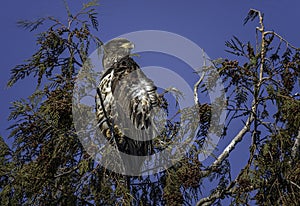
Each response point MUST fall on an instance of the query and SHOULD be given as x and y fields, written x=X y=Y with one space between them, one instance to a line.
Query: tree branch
x=281 y=39
x=295 y=148
x=211 y=199
x=233 y=143
x=196 y=86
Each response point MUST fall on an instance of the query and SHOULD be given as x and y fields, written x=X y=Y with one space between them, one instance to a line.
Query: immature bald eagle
x=125 y=93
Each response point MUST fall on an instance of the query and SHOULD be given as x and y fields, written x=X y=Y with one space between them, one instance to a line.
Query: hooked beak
x=127 y=45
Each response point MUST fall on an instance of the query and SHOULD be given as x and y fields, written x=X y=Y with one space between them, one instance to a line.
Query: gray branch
x=295 y=148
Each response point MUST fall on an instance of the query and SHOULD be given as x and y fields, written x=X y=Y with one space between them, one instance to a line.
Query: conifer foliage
x=48 y=165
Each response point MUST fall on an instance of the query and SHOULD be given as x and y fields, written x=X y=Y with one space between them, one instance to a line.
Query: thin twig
x=293 y=183
x=67 y=172
x=282 y=39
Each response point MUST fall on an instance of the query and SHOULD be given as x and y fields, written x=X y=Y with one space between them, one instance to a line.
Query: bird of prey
x=126 y=101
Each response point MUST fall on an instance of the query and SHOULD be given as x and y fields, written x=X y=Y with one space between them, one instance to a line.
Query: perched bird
x=126 y=101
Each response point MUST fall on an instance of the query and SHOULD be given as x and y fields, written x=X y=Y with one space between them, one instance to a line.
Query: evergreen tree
x=49 y=166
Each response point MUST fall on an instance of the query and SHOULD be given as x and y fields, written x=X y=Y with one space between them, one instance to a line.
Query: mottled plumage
x=126 y=101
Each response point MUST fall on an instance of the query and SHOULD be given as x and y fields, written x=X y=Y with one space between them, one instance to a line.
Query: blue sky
x=207 y=23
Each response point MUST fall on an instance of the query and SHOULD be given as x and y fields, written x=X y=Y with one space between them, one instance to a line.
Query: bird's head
x=115 y=50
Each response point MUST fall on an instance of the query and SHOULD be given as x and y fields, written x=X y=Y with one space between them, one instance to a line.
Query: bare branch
x=296 y=145
x=293 y=183
x=233 y=143
x=288 y=44
x=210 y=199
x=196 y=86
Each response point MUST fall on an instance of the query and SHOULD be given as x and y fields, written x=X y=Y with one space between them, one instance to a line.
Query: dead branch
x=295 y=148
